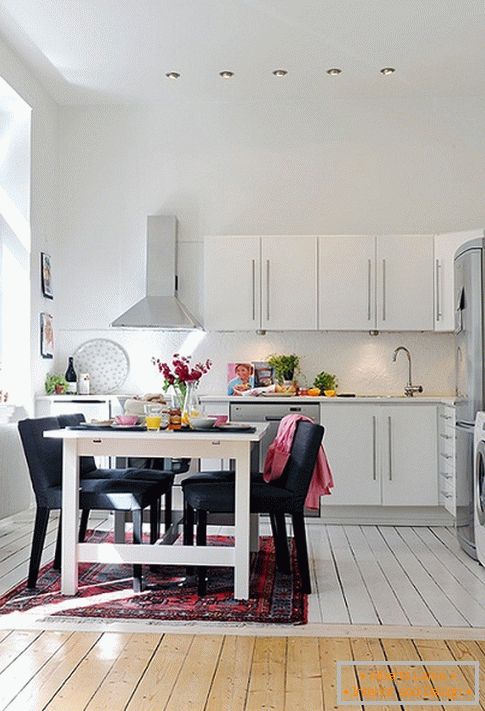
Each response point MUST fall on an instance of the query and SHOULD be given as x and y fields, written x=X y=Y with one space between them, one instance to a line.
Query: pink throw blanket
x=278 y=454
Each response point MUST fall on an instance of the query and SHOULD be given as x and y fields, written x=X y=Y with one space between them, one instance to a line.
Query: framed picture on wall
x=46 y=336
x=46 y=275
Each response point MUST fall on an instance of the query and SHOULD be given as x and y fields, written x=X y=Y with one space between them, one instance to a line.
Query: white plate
x=105 y=361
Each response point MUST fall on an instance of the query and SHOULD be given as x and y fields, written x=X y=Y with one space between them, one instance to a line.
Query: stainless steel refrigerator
x=469 y=364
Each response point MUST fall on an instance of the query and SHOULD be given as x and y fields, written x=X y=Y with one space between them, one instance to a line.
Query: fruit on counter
x=313 y=392
x=287 y=389
x=325 y=381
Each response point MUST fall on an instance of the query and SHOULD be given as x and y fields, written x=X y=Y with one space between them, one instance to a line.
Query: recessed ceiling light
x=172 y=75
x=387 y=70
x=334 y=71
x=280 y=72
x=226 y=74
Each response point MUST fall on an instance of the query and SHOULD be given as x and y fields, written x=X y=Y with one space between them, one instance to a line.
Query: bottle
x=83 y=384
x=71 y=378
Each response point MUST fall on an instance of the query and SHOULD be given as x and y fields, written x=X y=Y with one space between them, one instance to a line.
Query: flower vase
x=191 y=406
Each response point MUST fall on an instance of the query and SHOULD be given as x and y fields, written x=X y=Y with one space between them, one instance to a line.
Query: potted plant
x=325 y=381
x=285 y=366
x=55 y=383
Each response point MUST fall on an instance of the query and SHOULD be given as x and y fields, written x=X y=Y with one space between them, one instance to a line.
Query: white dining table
x=191 y=444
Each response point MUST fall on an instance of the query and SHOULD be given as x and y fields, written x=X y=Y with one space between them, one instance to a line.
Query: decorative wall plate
x=105 y=361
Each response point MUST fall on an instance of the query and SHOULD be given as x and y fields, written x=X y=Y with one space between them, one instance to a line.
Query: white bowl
x=202 y=423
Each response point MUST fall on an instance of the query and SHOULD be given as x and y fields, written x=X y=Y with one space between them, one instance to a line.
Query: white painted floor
x=361 y=575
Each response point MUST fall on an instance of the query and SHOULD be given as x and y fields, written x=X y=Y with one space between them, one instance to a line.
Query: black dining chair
x=44 y=460
x=148 y=472
x=285 y=495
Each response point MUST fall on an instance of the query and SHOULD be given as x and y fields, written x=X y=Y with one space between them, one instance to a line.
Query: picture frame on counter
x=46 y=335
x=46 y=275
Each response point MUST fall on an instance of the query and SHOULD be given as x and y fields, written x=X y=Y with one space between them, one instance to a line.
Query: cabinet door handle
x=253 y=267
x=438 y=291
x=446 y=476
x=446 y=417
x=369 y=280
x=383 y=289
x=374 y=447
x=446 y=456
x=267 y=289
x=446 y=436
x=389 y=434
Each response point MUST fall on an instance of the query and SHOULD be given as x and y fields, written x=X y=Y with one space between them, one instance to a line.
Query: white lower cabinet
x=382 y=455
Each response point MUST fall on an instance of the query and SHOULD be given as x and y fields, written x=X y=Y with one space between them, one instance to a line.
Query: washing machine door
x=480 y=488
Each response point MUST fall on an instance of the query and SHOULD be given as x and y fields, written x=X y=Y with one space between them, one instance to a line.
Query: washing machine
x=479 y=486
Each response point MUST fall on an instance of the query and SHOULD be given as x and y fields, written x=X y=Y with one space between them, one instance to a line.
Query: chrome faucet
x=410 y=389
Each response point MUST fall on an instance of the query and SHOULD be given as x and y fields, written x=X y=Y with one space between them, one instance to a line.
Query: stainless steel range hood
x=160 y=308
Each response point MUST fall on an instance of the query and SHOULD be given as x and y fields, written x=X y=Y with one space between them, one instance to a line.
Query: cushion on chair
x=119 y=495
x=152 y=475
x=215 y=477
x=220 y=499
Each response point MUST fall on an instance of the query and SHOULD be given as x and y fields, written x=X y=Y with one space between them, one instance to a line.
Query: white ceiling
x=117 y=51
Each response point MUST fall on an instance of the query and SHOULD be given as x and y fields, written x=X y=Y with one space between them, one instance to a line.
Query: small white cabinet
x=351 y=447
x=382 y=282
x=408 y=436
x=404 y=265
x=232 y=283
x=382 y=455
x=445 y=247
x=254 y=283
x=346 y=267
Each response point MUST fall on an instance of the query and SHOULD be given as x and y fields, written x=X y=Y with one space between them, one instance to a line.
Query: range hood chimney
x=160 y=308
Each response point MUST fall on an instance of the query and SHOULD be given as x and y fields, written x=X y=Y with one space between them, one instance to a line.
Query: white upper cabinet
x=289 y=282
x=253 y=283
x=232 y=285
x=404 y=265
x=347 y=271
x=445 y=246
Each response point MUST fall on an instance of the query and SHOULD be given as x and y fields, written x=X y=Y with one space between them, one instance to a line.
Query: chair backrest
x=44 y=456
x=87 y=464
x=303 y=456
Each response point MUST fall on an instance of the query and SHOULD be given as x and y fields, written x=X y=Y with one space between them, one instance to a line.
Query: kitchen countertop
x=444 y=399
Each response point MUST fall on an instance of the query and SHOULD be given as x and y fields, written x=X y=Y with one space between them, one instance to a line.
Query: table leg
x=254 y=533
x=242 y=514
x=120 y=523
x=70 y=515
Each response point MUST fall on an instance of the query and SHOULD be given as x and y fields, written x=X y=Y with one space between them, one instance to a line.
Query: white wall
x=350 y=167
x=38 y=206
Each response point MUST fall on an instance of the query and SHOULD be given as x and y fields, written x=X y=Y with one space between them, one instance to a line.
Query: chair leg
x=201 y=541
x=168 y=509
x=188 y=525
x=137 y=538
x=57 y=556
x=282 y=553
x=301 y=551
x=154 y=522
x=38 y=539
x=83 y=526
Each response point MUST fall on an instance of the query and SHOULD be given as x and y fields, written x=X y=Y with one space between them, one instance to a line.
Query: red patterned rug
x=105 y=591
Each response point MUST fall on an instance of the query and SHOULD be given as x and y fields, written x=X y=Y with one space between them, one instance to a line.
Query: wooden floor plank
x=117 y=687
x=359 y=602
x=405 y=650
x=81 y=686
x=14 y=644
x=384 y=597
x=268 y=675
x=331 y=598
x=444 y=611
x=42 y=687
x=436 y=650
x=331 y=652
x=231 y=681
x=195 y=679
x=370 y=650
x=457 y=593
x=410 y=600
x=303 y=675
x=156 y=685
x=27 y=665
x=470 y=651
